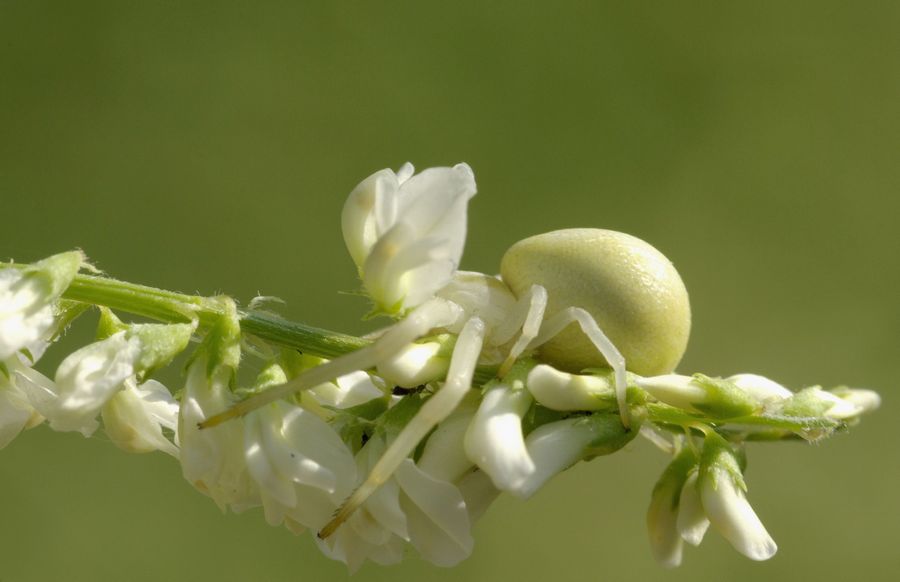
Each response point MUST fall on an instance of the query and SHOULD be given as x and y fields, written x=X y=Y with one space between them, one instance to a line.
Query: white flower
x=437 y=518
x=666 y=542
x=135 y=417
x=760 y=387
x=563 y=391
x=494 y=440
x=675 y=390
x=303 y=469
x=27 y=297
x=556 y=446
x=212 y=459
x=722 y=492
x=406 y=233
x=444 y=455
x=846 y=403
x=376 y=531
x=479 y=492
x=85 y=381
x=26 y=313
x=862 y=399
x=413 y=505
x=692 y=521
x=712 y=396
x=16 y=411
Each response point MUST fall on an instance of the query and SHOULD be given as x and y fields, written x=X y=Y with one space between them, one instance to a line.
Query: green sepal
x=634 y=395
x=4 y=370
x=223 y=341
x=806 y=403
x=394 y=311
x=539 y=415
x=295 y=363
x=673 y=478
x=725 y=399
x=108 y=325
x=517 y=376
x=272 y=374
x=611 y=434
x=447 y=342
x=160 y=343
x=399 y=415
x=718 y=454
x=370 y=410
x=222 y=344
x=353 y=431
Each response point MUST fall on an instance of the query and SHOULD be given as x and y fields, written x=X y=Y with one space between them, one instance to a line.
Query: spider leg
x=536 y=301
x=429 y=315
x=437 y=408
x=614 y=358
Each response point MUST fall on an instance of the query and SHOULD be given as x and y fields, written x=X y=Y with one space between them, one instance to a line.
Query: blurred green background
x=208 y=146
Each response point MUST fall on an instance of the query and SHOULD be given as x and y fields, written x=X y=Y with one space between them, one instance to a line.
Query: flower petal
x=438 y=521
x=494 y=439
x=692 y=521
x=733 y=517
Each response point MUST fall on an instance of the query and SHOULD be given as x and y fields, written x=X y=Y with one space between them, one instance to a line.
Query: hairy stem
x=168 y=306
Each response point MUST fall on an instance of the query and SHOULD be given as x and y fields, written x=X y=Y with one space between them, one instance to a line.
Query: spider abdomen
x=631 y=289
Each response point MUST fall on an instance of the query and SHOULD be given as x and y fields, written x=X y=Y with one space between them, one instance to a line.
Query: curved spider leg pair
x=459 y=380
x=531 y=308
x=537 y=331
x=463 y=362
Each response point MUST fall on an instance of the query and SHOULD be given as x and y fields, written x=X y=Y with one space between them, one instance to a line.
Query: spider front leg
x=613 y=356
x=431 y=314
x=533 y=304
x=437 y=408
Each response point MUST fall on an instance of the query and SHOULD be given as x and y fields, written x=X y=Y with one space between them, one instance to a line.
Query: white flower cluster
x=301 y=459
x=98 y=379
x=397 y=431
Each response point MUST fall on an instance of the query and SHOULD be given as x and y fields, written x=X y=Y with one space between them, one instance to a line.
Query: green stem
x=169 y=306
x=779 y=427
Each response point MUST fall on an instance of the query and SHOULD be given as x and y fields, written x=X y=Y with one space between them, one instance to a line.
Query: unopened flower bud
x=863 y=399
x=714 y=396
x=760 y=387
x=843 y=404
x=563 y=391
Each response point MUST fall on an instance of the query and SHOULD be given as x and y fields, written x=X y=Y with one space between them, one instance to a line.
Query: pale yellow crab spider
x=596 y=279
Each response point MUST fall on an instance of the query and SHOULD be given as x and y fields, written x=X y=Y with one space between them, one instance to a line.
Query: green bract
x=632 y=290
